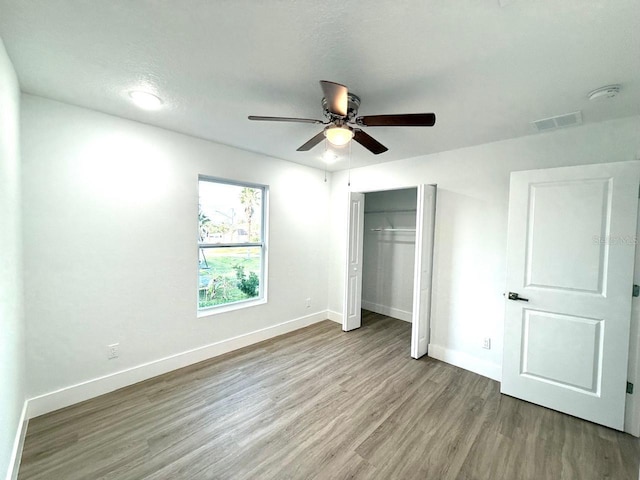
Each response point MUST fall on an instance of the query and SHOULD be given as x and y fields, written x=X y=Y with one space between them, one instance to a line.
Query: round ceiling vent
x=609 y=91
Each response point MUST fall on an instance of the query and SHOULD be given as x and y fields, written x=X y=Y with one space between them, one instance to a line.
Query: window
x=231 y=243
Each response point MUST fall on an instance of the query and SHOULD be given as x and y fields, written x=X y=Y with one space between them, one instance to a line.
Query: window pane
x=229 y=213
x=228 y=274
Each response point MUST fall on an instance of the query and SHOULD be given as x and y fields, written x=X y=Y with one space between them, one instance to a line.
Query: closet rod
x=410 y=210
x=393 y=229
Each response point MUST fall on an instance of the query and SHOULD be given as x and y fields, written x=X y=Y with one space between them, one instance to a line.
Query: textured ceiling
x=487 y=68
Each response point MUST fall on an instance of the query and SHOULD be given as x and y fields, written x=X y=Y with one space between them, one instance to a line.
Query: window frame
x=262 y=291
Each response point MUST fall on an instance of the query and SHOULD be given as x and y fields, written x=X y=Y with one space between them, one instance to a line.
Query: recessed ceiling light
x=145 y=100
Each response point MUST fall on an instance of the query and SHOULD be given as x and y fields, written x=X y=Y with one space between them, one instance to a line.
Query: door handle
x=515 y=296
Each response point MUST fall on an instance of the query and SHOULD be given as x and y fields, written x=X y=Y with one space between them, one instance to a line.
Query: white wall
x=110 y=224
x=12 y=350
x=471 y=225
x=389 y=257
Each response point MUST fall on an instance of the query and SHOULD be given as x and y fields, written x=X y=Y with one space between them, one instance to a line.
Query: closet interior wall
x=389 y=252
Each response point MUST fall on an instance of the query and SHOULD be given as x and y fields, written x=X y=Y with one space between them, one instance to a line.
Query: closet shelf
x=410 y=210
x=393 y=229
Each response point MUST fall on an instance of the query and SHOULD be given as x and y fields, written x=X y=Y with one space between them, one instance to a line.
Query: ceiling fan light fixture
x=338 y=136
x=343 y=124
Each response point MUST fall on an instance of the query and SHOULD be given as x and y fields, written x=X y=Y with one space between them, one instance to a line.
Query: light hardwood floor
x=319 y=403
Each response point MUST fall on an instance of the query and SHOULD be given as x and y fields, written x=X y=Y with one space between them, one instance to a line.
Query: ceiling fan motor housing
x=353 y=104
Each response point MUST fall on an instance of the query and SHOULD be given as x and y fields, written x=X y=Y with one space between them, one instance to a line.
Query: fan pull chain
x=326 y=149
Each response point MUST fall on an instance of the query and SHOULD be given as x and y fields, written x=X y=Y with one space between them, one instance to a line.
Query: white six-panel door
x=352 y=316
x=570 y=258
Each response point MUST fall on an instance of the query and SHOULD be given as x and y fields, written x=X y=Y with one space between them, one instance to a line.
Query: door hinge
x=629 y=387
x=636 y=290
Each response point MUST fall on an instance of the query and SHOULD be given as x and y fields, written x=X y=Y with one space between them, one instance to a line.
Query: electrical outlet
x=487 y=343
x=113 y=351
x=308 y=304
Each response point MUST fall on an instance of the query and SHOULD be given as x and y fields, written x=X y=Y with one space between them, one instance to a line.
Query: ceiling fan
x=342 y=123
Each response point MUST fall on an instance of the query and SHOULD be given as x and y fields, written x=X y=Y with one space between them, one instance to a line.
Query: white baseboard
x=334 y=316
x=108 y=383
x=389 y=311
x=18 y=444
x=466 y=361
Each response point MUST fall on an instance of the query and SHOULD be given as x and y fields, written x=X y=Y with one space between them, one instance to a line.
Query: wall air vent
x=559 y=121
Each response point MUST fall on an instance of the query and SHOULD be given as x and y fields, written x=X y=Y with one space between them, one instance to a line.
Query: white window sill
x=207 y=312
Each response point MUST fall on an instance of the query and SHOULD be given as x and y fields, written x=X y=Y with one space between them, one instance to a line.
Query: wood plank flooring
x=319 y=403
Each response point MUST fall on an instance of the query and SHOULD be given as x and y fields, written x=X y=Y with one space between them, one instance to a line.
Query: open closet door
x=352 y=316
x=570 y=257
x=425 y=227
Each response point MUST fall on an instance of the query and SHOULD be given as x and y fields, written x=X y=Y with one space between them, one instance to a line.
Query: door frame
x=418 y=271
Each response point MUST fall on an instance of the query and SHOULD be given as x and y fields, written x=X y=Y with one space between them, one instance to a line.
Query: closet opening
x=389 y=259
x=389 y=244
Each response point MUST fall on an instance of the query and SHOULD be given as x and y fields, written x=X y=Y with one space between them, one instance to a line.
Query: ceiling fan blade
x=401 y=120
x=283 y=119
x=336 y=96
x=368 y=142
x=311 y=143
